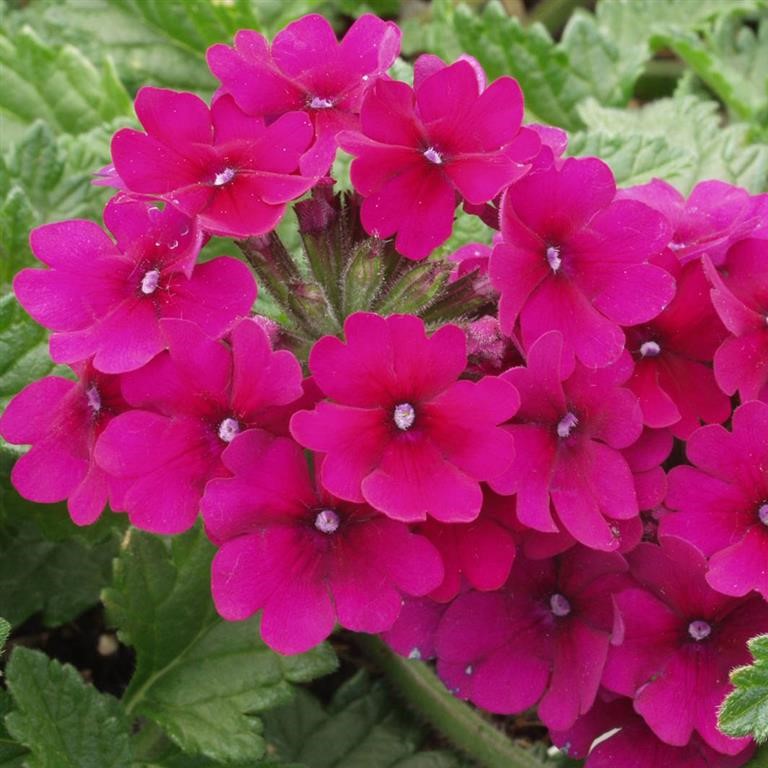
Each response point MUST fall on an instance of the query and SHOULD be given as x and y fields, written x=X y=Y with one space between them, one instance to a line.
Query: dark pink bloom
x=715 y=215
x=722 y=501
x=194 y=400
x=635 y=745
x=568 y=471
x=307 y=69
x=574 y=259
x=681 y=639
x=62 y=419
x=398 y=430
x=546 y=633
x=307 y=559
x=645 y=458
x=413 y=633
x=231 y=171
x=740 y=296
x=481 y=552
x=673 y=354
x=420 y=151
x=105 y=299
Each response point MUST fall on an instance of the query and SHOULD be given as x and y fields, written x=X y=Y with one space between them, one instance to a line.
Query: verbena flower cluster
x=525 y=494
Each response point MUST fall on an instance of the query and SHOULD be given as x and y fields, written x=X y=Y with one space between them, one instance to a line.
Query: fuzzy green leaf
x=198 y=677
x=47 y=178
x=732 y=59
x=64 y=722
x=698 y=145
x=23 y=349
x=61 y=579
x=5 y=630
x=362 y=726
x=12 y=754
x=163 y=42
x=55 y=83
x=745 y=711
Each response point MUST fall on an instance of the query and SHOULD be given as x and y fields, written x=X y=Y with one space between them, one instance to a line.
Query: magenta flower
x=741 y=301
x=106 y=299
x=575 y=260
x=481 y=552
x=421 y=149
x=673 y=353
x=681 y=639
x=723 y=501
x=231 y=171
x=715 y=216
x=307 y=69
x=62 y=420
x=307 y=559
x=628 y=742
x=398 y=430
x=546 y=634
x=645 y=458
x=413 y=633
x=193 y=401
x=568 y=471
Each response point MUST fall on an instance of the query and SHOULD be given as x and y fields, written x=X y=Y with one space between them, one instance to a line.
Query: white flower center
x=762 y=513
x=229 y=429
x=699 y=630
x=404 y=416
x=94 y=398
x=433 y=156
x=650 y=349
x=567 y=424
x=317 y=102
x=553 y=258
x=224 y=177
x=559 y=605
x=327 y=521
x=150 y=281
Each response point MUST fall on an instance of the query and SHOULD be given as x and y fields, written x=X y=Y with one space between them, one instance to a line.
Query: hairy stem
x=466 y=728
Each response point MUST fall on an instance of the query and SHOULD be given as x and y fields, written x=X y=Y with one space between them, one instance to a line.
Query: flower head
x=307 y=69
x=231 y=171
x=421 y=148
x=304 y=557
x=575 y=260
x=398 y=430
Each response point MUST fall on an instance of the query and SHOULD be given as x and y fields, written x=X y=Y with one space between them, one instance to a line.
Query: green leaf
x=23 y=349
x=634 y=158
x=198 y=677
x=47 y=178
x=56 y=83
x=362 y=726
x=745 y=711
x=598 y=62
x=5 y=630
x=12 y=754
x=64 y=722
x=689 y=127
x=61 y=579
x=732 y=59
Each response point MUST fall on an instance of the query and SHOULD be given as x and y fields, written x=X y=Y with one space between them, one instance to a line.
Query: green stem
x=457 y=721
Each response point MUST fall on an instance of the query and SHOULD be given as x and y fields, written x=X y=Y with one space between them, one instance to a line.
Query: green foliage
x=23 y=348
x=200 y=678
x=57 y=84
x=360 y=727
x=5 y=629
x=731 y=59
x=61 y=720
x=45 y=178
x=687 y=141
x=745 y=711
